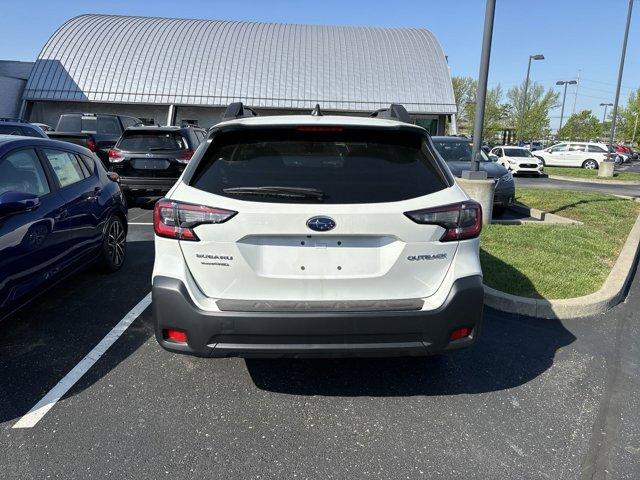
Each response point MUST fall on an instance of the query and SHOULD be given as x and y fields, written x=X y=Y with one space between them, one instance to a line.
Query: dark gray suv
x=150 y=159
x=456 y=151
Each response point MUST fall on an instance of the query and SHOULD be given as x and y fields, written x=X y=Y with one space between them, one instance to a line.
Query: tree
x=627 y=118
x=535 y=122
x=464 y=91
x=583 y=125
x=495 y=112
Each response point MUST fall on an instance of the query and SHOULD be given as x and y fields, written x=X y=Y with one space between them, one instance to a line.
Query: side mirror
x=17 y=202
x=493 y=158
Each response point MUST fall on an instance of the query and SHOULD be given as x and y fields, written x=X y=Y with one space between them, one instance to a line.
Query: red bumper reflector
x=172 y=335
x=459 y=333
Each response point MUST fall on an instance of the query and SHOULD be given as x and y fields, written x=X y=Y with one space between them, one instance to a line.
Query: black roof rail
x=9 y=119
x=238 y=110
x=394 y=112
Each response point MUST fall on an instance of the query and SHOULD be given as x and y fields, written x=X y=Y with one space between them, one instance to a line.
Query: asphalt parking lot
x=533 y=399
x=627 y=190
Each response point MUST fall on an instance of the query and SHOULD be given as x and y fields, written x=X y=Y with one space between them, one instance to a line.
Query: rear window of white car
x=344 y=165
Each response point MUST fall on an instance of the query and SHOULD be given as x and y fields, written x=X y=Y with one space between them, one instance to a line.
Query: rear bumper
x=142 y=184
x=316 y=334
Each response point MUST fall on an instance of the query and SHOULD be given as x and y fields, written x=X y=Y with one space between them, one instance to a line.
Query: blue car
x=59 y=211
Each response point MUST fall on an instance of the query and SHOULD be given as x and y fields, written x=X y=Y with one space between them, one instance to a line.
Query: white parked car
x=314 y=235
x=574 y=154
x=518 y=160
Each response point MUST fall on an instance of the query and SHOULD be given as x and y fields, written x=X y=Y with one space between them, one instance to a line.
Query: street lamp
x=537 y=56
x=604 y=115
x=481 y=92
x=620 y=70
x=564 y=97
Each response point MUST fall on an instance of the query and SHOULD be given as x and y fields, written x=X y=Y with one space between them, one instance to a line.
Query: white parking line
x=41 y=408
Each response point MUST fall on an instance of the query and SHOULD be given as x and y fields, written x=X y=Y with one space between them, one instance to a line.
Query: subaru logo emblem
x=321 y=224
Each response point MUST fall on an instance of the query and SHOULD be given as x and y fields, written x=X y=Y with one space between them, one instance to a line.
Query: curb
x=544 y=218
x=630 y=183
x=609 y=295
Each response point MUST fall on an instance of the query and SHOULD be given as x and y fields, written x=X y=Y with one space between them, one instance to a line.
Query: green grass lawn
x=558 y=261
x=584 y=173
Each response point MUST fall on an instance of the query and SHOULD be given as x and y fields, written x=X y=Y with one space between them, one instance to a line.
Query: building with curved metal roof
x=142 y=65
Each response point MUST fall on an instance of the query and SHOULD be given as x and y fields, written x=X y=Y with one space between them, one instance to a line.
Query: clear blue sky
x=573 y=35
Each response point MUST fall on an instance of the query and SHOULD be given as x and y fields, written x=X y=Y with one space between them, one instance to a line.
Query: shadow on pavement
x=511 y=351
x=42 y=342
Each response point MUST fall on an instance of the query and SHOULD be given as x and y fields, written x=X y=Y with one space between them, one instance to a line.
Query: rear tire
x=590 y=165
x=114 y=245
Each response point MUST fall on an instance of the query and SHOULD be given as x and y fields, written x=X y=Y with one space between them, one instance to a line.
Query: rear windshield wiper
x=160 y=149
x=294 y=192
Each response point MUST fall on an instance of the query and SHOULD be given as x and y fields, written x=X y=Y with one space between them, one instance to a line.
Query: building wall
x=10 y=96
x=13 y=79
x=49 y=112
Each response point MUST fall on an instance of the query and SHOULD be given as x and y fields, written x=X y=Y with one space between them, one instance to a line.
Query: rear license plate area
x=150 y=164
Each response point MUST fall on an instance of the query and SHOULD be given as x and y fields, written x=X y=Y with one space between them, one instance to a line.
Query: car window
x=66 y=166
x=21 y=171
x=344 y=165
x=108 y=125
x=31 y=132
x=457 y=151
x=596 y=148
x=89 y=163
x=147 y=140
x=559 y=148
x=10 y=130
x=69 y=123
x=129 y=121
x=517 y=152
x=89 y=124
x=577 y=148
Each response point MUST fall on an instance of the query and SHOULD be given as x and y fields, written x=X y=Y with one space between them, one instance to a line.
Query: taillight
x=185 y=156
x=460 y=220
x=91 y=145
x=115 y=155
x=177 y=220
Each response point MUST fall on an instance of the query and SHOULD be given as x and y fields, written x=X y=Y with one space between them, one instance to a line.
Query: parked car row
x=263 y=219
x=97 y=132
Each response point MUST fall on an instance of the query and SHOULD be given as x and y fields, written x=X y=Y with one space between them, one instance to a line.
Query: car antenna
x=316 y=111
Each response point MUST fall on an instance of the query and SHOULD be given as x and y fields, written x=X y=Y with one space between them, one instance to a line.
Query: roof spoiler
x=238 y=110
x=394 y=112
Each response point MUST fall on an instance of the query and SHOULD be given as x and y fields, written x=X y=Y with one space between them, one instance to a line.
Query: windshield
x=140 y=141
x=517 y=152
x=457 y=151
x=304 y=165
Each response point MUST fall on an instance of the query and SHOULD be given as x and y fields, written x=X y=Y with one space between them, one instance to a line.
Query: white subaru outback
x=314 y=235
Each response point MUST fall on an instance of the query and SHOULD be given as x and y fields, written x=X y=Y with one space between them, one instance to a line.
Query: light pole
x=483 y=75
x=537 y=56
x=620 y=70
x=564 y=97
